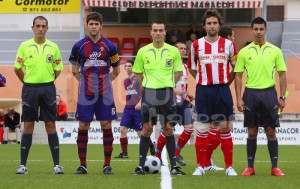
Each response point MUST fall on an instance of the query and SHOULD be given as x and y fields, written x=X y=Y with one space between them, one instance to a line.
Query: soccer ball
x=152 y=164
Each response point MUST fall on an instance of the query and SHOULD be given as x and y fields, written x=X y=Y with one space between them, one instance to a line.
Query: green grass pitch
x=40 y=169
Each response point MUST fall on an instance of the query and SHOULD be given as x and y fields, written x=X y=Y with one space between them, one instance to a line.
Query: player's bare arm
x=238 y=89
x=140 y=76
x=57 y=73
x=193 y=73
x=283 y=86
x=114 y=73
x=76 y=71
x=177 y=76
x=20 y=74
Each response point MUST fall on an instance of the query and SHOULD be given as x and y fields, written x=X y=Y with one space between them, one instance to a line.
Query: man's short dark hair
x=225 y=31
x=130 y=61
x=158 y=22
x=212 y=13
x=259 y=20
x=39 y=18
x=94 y=16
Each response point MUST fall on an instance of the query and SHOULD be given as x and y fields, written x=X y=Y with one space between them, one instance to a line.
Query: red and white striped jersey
x=211 y=60
x=182 y=84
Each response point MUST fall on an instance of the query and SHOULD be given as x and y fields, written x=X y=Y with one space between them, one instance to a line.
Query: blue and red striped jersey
x=134 y=90
x=95 y=60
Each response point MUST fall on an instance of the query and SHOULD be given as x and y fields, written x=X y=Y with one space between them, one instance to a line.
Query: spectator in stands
x=174 y=32
x=189 y=42
x=12 y=123
x=173 y=40
x=193 y=30
x=2 y=81
x=42 y=60
x=62 y=113
x=2 y=118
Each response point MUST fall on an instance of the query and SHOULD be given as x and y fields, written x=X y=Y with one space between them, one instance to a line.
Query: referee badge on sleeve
x=49 y=58
x=168 y=62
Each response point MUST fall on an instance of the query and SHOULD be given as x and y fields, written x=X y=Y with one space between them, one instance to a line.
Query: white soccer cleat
x=231 y=172
x=213 y=168
x=22 y=170
x=58 y=170
x=199 y=171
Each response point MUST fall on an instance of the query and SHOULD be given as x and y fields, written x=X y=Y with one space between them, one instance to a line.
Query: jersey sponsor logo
x=169 y=62
x=95 y=63
x=213 y=57
x=131 y=92
x=49 y=58
x=95 y=55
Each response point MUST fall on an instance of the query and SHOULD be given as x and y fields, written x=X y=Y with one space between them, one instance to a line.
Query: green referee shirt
x=260 y=64
x=158 y=65
x=39 y=61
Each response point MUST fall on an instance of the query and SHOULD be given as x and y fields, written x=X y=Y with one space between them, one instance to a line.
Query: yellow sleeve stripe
x=114 y=58
x=234 y=58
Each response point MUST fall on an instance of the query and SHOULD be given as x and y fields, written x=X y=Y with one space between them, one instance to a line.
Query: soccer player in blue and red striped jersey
x=132 y=115
x=91 y=59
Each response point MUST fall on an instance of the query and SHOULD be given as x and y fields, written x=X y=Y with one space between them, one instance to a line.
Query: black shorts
x=39 y=102
x=158 y=101
x=261 y=107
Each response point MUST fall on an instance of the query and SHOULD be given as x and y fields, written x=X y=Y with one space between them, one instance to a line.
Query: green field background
x=40 y=168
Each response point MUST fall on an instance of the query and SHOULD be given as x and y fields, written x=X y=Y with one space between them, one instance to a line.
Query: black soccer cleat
x=176 y=171
x=107 y=170
x=138 y=171
x=81 y=170
x=122 y=155
x=179 y=159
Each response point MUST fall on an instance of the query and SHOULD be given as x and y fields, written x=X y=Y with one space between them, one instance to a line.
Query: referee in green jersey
x=259 y=103
x=38 y=63
x=159 y=66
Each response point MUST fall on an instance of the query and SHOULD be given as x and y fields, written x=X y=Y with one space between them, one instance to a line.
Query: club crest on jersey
x=19 y=60
x=168 y=63
x=221 y=50
x=57 y=61
x=49 y=58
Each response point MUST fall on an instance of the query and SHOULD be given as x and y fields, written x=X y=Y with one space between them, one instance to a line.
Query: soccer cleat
x=122 y=155
x=248 y=171
x=213 y=168
x=277 y=172
x=199 y=171
x=179 y=160
x=58 y=170
x=176 y=171
x=22 y=170
x=81 y=170
x=152 y=150
x=231 y=172
x=107 y=170
x=161 y=163
x=4 y=142
x=138 y=171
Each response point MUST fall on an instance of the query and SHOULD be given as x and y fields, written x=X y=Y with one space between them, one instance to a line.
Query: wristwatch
x=282 y=98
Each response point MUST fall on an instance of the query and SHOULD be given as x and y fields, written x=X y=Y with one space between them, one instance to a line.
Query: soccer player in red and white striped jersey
x=209 y=63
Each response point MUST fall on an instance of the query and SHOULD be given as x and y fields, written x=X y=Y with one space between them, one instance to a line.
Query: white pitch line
x=166 y=179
